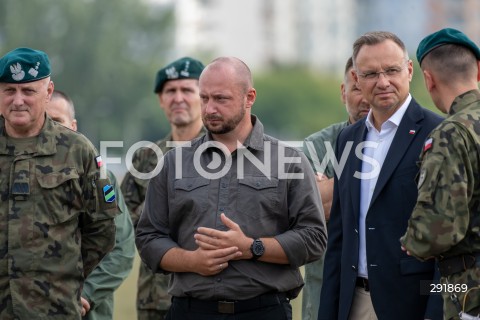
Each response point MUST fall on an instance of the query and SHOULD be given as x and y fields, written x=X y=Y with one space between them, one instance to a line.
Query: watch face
x=258 y=248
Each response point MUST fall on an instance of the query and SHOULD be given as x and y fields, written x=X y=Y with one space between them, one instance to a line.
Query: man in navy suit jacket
x=366 y=274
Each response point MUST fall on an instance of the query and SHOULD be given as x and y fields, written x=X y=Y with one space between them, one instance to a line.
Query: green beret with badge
x=184 y=68
x=443 y=37
x=23 y=65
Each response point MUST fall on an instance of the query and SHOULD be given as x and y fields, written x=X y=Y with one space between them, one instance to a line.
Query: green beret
x=184 y=68
x=445 y=36
x=24 y=65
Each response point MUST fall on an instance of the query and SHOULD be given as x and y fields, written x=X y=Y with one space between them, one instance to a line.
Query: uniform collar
x=46 y=141
x=464 y=100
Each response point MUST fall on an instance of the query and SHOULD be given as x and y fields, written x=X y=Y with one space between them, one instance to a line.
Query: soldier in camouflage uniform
x=56 y=210
x=177 y=88
x=100 y=285
x=445 y=223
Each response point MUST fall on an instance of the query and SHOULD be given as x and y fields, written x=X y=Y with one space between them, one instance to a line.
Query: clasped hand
x=217 y=248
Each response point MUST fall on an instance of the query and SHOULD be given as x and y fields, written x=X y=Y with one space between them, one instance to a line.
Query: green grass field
x=125 y=298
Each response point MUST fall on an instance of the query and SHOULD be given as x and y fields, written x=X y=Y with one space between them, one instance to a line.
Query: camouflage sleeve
x=97 y=224
x=116 y=265
x=441 y=215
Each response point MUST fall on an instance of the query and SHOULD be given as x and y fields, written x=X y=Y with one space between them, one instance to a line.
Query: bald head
x=235 y=68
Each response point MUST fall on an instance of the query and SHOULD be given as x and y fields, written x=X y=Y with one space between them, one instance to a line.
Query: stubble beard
x=227 y=126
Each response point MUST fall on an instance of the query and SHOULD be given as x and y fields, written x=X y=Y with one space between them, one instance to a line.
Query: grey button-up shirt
x=266 y=187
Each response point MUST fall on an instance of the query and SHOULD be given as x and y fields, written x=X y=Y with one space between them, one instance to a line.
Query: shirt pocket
x=59 y=197
x=191 y=195
x=257 y=197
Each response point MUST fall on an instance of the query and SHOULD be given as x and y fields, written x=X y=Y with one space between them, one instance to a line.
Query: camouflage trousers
x=467 y=287
x=153 y=301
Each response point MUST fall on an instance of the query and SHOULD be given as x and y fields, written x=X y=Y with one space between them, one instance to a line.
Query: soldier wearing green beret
x=56 y=208
x=176 y=86
x=445 y=223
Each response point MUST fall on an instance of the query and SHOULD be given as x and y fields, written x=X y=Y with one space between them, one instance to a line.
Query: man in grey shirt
x=232 y=214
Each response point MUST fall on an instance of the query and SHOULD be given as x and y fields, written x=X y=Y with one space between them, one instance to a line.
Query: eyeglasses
x=389 y=73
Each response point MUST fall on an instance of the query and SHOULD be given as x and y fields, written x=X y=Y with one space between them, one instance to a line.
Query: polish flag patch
x=98 y=160
x=428 y=144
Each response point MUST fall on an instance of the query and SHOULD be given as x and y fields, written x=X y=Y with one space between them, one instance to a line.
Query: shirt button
x=224 y=185
x=219 y=279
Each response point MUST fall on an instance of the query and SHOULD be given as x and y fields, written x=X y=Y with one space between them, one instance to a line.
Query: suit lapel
x=358 y=137
x=401 y=142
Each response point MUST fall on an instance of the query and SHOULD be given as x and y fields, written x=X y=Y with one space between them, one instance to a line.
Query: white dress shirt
x=377 y=146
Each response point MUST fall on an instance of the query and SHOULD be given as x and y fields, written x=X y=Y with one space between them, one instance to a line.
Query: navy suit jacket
x=394 y=277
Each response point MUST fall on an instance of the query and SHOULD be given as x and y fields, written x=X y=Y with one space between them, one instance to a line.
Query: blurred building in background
x=459 y=14
x=315 y=33
x=265 y=33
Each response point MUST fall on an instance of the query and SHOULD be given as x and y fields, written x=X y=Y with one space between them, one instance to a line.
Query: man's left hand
x=211 y=239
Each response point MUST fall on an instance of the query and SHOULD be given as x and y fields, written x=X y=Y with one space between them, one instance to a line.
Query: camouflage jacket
x=446 y=219
x=55 y=225
x=100 y=285
x=152 y=288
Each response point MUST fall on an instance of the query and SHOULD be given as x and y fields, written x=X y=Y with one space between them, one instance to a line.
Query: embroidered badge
x=185 y=72
x=428 y=144
x=34 y=71
x=17 y=73
x=109 y=193
x=98 y=161
x=171 y=73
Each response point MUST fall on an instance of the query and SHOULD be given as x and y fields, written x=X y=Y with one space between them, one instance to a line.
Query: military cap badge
x=184 y=68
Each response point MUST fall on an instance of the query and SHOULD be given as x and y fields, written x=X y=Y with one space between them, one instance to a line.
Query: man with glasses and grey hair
x=366 y=274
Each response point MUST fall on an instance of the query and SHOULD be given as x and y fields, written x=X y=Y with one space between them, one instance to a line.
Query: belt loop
x=278 y=299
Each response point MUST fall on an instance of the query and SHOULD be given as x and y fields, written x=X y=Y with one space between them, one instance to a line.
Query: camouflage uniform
x=100 y=285
x=55 y=226
x=446 y=220
x=152 y=297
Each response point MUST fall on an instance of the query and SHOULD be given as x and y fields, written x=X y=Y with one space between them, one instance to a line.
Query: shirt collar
x=394 y=119
x=254 y=139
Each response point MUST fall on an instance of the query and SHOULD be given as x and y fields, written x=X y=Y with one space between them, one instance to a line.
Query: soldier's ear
x=74 y=125
x=50 y=88
x=429 y=80
x=478 y=71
